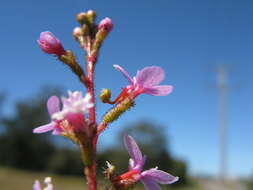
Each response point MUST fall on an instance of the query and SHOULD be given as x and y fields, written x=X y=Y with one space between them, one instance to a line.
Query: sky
x=186 y=38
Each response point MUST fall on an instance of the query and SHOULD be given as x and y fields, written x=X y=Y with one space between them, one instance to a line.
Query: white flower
x=75 y=103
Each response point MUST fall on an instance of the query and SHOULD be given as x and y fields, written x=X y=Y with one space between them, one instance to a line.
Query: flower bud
x=91 y=15
x=109 y=171
x=118 y=110
x=106 y=25
x=105 y=95
x=77 y=32
x=50 y=44
x=81 y=18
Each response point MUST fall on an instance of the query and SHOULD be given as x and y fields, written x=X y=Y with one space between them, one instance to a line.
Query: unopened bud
x=50 y=44
x=105 y=95
x=109 y=171
x=106 y=25
x=77 y=32
x=81 y=18
x=118 y=110
x=91 y=16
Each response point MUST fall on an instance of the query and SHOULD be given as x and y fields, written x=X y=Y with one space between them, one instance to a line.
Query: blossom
x=146 y=81
x=70 y=117
x=50 y=44
x=150 y=178
x=36 y=185
x=106 y=25
x=47 y=181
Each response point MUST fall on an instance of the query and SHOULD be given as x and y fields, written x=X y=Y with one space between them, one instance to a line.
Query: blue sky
x=186 y=38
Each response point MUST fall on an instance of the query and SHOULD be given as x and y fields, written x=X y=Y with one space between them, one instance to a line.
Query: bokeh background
x=192 y=40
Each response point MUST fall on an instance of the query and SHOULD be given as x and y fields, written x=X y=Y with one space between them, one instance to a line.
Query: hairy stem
x=90 y=169
x=90 y=67
x=101 y=127
x=90 y=173
x=92 y=110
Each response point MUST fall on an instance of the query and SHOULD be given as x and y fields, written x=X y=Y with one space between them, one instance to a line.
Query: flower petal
x=133 y=150
x=77 y=121
x=76 y=103
x=161 y=90
x=160 y=176
x=56 y=131
x=131 y=164
x=150 y=76
x=44 y=128
x=123 y=71
x=53 y=105
x=48 y=182
x=150 y=184
x=36 y=185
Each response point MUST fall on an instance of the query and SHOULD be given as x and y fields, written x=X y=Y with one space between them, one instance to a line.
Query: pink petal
x=150 y=76
x=123 y=71
x=77 y=121
x=133 y=150
x=53 y=105
x=36 y=185
x=44 y=128
x=150 y=184
x=161 y=90
x=56 y=131
x=160 y=176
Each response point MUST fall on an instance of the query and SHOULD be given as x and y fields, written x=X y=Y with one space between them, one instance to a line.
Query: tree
x=19 y=147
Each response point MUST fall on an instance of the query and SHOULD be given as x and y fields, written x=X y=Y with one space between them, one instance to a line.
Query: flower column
x=90 y=38
x=74 y=117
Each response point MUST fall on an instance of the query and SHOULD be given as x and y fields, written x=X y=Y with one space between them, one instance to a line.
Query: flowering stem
x=101 y=127
x=84 y=80
x=90 y=67
x=92 y=110
x=90 y=169
x=90 y=173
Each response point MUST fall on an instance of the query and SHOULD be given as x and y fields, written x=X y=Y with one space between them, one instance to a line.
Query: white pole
x=222 y=83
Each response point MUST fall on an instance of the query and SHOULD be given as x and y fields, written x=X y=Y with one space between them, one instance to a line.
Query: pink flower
x=70 y=118
x=50 y=44
x=47 y=181
x=105 y=24
x=150 y=178
x=36 y=185
x=146 y=81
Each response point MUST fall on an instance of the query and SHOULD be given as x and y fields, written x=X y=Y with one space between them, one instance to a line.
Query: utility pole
x=222 y=84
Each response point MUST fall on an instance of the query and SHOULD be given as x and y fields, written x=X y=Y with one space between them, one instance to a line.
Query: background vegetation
x=21 y=149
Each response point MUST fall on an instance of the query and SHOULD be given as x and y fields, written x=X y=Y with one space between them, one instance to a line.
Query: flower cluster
x=146 y=81
x=74 y=116
x=47 y=181
x=150 y=178
x=70 y=118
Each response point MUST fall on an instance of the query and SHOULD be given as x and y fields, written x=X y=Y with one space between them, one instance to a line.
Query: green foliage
x=19 y=147
x=66 y=161
x=250 y=184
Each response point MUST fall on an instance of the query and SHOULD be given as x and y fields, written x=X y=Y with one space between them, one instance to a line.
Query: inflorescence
x=74 y=117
